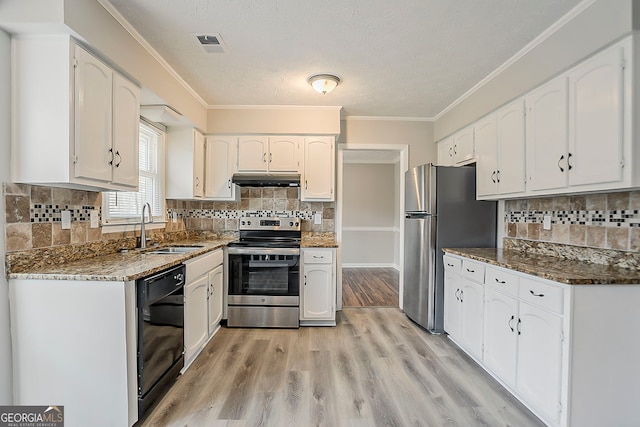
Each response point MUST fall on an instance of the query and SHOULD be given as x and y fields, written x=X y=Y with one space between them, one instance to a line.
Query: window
x=126 y=207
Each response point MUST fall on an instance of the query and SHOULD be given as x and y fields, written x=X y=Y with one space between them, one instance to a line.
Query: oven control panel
x=269 y=223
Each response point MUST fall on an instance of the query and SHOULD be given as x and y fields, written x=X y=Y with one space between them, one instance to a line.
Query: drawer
x=317 y=256
x=452 y=264
x=541 y=294
x=501 y=280
x=196 y=267
x=473 y=270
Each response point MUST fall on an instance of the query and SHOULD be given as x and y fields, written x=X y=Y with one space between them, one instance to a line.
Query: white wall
x=418 y=135
x=599 y=24
x=5 y=134
x=369 y=216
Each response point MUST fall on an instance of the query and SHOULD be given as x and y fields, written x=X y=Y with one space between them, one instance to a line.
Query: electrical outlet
x=94 y=218
x=317 y=218
x=546 y=222
x=66 y=219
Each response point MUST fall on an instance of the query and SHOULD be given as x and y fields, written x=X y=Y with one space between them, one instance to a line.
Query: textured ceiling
x=406 y=58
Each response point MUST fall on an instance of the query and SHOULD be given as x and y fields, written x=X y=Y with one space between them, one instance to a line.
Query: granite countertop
x=122 y=266
x=550 y=267
x=318 y=240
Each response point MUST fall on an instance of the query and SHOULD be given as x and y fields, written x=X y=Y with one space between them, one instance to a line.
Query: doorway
x=369 y=226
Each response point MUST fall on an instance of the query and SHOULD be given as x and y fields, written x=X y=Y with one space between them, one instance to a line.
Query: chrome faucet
x=143 y=235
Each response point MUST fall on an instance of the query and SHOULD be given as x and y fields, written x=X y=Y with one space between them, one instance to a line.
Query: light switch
x=93 y=216
x=546 y=222
x=66 y=219
x=317 y=218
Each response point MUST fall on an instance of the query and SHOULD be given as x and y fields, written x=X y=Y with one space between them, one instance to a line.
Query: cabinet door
x=445 y=152
x=216 y=287
x=252 y=154
x=318 y=178
x=540 y=359
x=452 y=288
x=596 y=119
x=284 y=154
x=126 y=131
x=318 y=298
x=195 y=316
x=198 y=164
x=220 y=155
x=486 y=156
x=500 y=336
x=463 y=146
x=471 y=317
x=511 y=148
x=93 y=117
x=546 y=129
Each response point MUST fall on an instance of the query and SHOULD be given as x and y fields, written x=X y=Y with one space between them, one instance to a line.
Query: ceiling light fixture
x=323 y=83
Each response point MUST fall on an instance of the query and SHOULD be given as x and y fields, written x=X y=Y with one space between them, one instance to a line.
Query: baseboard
x=370 y=265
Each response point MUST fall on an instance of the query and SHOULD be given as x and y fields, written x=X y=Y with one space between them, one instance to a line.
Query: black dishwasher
x=160 y=307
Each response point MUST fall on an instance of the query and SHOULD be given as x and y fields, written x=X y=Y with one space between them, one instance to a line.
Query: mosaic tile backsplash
x=33 y=215
x=605 y=221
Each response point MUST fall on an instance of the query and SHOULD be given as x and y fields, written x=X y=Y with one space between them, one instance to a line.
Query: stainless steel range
x=264 y=273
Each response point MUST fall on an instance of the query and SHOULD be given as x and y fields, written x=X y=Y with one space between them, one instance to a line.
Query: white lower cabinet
x=202 y=302
x=318 y=288
x=563 y=350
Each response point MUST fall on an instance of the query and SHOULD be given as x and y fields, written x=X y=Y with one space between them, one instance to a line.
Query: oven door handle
x=263 y=251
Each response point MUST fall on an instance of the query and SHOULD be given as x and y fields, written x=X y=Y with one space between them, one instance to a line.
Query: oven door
x=263 y=276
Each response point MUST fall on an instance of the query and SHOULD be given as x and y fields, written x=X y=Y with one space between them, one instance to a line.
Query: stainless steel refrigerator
x=440 y=211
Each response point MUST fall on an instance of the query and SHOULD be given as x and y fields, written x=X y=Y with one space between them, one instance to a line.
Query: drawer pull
x=470 y=271
x=450 y=265
x=318 y=257
x=511 y=320
x=535 y=295
x=502 y=282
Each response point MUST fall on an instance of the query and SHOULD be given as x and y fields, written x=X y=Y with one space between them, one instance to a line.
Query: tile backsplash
x=33 y=214
x=604 y=220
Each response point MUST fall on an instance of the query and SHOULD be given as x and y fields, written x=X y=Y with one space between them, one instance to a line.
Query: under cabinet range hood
x=265 y=180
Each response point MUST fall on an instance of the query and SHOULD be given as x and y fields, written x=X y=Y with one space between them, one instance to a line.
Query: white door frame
x=403 y=152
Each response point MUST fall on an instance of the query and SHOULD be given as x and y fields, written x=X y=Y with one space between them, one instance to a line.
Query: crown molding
x=394 y=119
x=275 y=107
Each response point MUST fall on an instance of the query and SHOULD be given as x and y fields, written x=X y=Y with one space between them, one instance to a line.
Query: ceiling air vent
x=211 y=43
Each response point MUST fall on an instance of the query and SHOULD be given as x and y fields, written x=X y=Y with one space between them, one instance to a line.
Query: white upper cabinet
x=78 y=115
x=579 y=127
x=220 y=152
x=185 y=163
x=318 y=178
x=268 y=154
x=500 y=152
x=547 y=133
x=458 y=149
x=596 y=111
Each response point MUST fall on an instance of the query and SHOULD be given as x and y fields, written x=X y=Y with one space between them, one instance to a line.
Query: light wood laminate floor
x=376 y=368
x=370 y=287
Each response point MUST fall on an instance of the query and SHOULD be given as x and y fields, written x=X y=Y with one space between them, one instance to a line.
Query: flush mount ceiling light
x=323 y=83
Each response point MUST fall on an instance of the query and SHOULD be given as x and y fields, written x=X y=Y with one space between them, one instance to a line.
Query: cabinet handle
x=470 y=271
x=229 y=183
x=450 y=265
x=518 y=326
x=305 y=280
x=502 y=282
x=197 y=182
x=561 y=159
x=450 y=153
x=270 y=157
x=119 y=159
x=306 y=186
x=511 y=320
x=318 y=257
x=461 y=294
x=455 y=149
x=456 y=294
x=492 y=177
x=111 y=151
x=568 y=161
x=264 y=158
x=534 y=294
x=498 y=176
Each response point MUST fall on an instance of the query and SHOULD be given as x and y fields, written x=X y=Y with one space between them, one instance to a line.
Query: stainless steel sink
x=175 y=250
